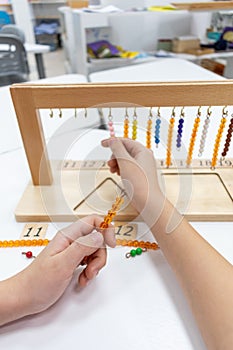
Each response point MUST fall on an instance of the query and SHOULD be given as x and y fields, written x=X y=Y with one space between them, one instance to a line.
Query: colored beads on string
x=134 y=125
x=204 y=133
x=28 y=254
x=148 y=130
x=112 y=212
x=218 y=138
x=228 y=138
x=157 y=128
x=180 y=129
x=137 y=244
x=193 y=137
x=126 y=124
x=24 y=243
x=169 y=138
x=110 y=124
x=134 y=252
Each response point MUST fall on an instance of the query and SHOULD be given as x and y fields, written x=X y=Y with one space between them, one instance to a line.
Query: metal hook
x=135 y=113
x=75 y=112
x=199 y=111
x=150 y=113
x=173 y=111
x=51 y=113
x=182 y=112
x=158 y=112
x=126 y=112
x=60 y=113
x=224 y=112
x=85 y=112
x=209 y=112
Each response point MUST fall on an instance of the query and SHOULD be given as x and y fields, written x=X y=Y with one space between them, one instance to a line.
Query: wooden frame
x=28 y=99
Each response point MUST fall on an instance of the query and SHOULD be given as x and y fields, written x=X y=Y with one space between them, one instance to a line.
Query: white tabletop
x=135 y=303
x=36 y=48
x=164 y=69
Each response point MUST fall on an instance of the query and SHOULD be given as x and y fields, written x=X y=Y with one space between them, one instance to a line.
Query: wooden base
x=81 y=188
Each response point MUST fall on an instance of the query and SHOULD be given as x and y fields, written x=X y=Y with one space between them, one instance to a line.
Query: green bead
x=133 y=252
x=139 y=251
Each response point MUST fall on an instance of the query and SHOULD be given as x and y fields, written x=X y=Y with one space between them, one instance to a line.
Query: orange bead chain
x=148 y=131
x=169 y=138
x=137 y=244
x=218 y=139
x=193 y=138
x=112 y=212
x=24 y=243
x=126 y=125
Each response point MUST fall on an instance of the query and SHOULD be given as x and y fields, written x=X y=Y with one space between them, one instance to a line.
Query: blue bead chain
x=180 y=129
x=157 y=128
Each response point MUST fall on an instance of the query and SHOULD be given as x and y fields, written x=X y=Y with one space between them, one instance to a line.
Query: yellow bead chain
x=193 y=138
x=24 y=243
x=218 y=140
x=134 y=126
x=169 y=138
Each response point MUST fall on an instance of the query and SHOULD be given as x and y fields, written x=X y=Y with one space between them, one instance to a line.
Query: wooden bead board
x=54 y=192
x=211 y=195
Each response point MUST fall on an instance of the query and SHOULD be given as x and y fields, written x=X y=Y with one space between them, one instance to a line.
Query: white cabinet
x=138 y=31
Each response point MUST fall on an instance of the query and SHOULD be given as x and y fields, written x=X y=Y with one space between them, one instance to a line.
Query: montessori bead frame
x=30 y=99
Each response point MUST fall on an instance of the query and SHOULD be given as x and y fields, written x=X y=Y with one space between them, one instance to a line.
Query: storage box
x=78 y=3
x=183 y=44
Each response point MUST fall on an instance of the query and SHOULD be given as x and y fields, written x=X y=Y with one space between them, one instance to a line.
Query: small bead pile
x=169 y=139
x=180 y=130
x=112 y=212
x=24 y=243
x=228 y=138
x=204 y=133
x=193 y=138
x=157 y=128
x=126 y=125
x=218 y=140
x=134 y=126
x=148 y=131
x=110 y=124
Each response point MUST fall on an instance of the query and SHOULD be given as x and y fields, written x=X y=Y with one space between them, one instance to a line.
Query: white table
x=135 y=303
x=38 y=51
x=164 y=69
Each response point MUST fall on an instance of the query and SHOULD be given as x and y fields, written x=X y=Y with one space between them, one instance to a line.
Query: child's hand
x=137 y=167
x=46 y=279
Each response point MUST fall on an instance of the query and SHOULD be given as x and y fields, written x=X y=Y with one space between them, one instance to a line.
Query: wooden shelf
x=204 y=6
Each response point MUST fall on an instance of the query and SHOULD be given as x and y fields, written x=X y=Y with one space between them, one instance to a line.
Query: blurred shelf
x=204 y=6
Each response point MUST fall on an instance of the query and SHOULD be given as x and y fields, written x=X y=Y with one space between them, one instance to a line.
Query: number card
x=34 y=231
x=126 y=231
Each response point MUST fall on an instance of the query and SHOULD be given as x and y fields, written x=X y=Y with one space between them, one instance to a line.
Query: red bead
x=28 y=254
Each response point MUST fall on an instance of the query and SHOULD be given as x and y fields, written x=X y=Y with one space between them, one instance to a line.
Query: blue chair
x=4 y=18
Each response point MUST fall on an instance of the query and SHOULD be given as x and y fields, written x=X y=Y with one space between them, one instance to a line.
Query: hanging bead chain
x=134 y=125
x=180 y=129
x=204 y=133
x=218 y=138
x=126 y=124
x=113 y=211
x=149 y=128
x=193 y=137
x=157 y=127
x=24 y=243
x=110 y=124
x=169 y=138
x=228 y=138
